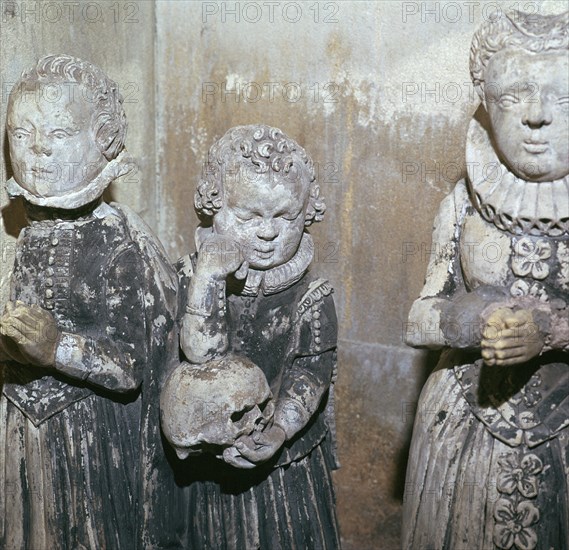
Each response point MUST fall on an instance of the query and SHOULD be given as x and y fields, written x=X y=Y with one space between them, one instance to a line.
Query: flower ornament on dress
x=513 y=527
x=529 y=258
x=515 y=516
x=521 y=476
x=521 y=288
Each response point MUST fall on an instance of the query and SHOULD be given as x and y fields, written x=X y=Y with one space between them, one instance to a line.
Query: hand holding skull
x=259 y=447
x=209 y=407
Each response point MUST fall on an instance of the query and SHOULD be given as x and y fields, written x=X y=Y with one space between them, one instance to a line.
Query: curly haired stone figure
x=248 y=292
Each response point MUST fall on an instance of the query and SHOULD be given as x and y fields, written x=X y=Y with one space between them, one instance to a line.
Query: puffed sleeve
x=444 y=277
x=552 y=320
x=112 y=356
x=309 y=378
x=559 y=332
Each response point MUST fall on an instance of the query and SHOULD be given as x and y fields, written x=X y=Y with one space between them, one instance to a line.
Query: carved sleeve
x=559 y=335
x=112 y=355
x=554 y=324
x=203 y=332
x=308 y=379
x=443 y=279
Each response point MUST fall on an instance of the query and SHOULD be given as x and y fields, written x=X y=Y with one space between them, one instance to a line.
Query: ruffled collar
x=276 y=279
x=116 y=168
x=99 y=211
x=509 y=202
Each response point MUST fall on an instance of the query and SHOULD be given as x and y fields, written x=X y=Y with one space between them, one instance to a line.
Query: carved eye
x=20 y=134
x=563 y=102
x=244 y=216
x=507 y=101
x=59 y=134
x=291 y=218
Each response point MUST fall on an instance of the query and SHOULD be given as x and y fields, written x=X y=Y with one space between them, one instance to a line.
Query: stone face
x=388 y=135
x=89 y=322
x=117 y=36
x=498 y=397
x=254 y=318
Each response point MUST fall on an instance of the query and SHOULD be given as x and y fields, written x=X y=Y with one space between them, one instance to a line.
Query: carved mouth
x=536 y=147
x=264 y=254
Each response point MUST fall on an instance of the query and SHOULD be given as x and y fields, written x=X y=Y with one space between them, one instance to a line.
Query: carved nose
x=537 y=115
x=40 y=148
x=267 y=231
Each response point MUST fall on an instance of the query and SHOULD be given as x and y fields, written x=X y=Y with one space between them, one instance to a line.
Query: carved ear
x=110 y=124
x=316 y=207
x=207 y=198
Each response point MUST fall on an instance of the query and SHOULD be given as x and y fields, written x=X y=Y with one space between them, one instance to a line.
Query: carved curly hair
x=109 y=119
x=265 y=149
x=529 y=32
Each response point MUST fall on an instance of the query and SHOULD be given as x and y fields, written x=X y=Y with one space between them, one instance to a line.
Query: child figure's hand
x=33 y=334
x=249 y=451
x=220 y=256
x=510 y=337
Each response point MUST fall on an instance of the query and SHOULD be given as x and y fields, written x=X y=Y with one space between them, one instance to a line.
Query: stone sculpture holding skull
x=208 y=407
x=259 y=332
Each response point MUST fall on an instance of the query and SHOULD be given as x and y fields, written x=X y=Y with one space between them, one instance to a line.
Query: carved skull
x=205 y=408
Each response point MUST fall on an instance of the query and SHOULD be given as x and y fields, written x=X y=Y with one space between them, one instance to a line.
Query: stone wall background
x=379 y=94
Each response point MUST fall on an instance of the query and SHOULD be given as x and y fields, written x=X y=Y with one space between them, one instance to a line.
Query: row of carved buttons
x=221 y=302
x=316 y=326
x=64 y=255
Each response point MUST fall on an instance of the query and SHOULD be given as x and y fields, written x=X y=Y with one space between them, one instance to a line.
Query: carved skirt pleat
x=286 y=508
x=69 y=483
x=468 y=490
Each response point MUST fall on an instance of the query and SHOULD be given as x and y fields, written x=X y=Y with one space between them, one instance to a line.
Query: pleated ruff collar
x=509 y=202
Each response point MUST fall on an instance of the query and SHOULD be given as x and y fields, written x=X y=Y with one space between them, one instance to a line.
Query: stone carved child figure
x=248 y=292
x=489 y=464
x=91 y=319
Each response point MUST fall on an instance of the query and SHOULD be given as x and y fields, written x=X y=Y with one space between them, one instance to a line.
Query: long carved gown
x=489 y=463
x=80 y=449
x=284 y=320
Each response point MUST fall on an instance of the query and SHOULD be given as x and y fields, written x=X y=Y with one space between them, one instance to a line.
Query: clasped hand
x=29 y=334
x=510 y=337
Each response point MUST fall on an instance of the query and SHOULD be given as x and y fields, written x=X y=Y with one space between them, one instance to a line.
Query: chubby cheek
x=289 y=241
x=561 y=138
x=505 y=128
x=225 y=224
x=17 y=154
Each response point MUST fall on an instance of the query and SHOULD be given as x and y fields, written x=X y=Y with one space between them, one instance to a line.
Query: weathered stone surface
x=116 y=35
x=499 y=396
x=269 y=430
x=372 y=129
x=91 y=320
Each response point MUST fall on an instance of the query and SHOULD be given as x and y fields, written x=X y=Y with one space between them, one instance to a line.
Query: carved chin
x=539 y=165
